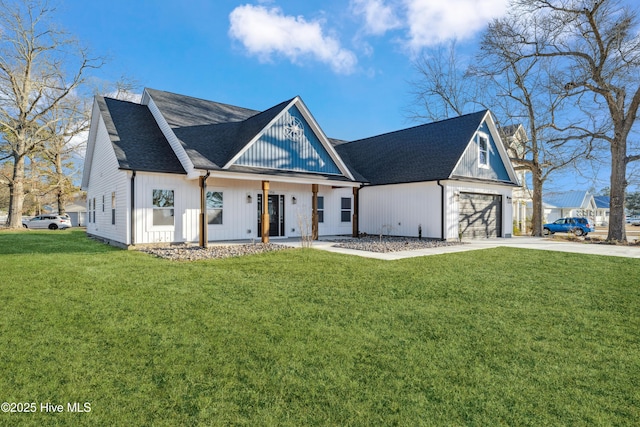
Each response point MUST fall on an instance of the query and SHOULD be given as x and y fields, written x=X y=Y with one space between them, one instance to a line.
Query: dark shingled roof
x=212 y=133
x=137 y=140
x=423 y=153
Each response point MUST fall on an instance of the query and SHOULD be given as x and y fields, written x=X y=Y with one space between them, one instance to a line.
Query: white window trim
x=216 y=190
x=162 y=227
x=113 y=208
x=350 y=210
x=480 y=135
x=324 y=200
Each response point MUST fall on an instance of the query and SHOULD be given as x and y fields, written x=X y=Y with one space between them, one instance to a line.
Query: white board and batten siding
x=333 y=224
x=404 y=209
x=186 y=208
x=401 y=209
x=105 y=180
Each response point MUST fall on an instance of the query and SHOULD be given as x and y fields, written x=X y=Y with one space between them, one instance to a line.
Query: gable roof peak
x=426 y=152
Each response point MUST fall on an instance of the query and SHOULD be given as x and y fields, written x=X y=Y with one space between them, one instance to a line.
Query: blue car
x=575 y=225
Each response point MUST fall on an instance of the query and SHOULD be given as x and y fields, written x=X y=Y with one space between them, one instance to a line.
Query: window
x=103 y=203
x=345 y=209
x=320 y=208
x=113 y=208
x=483 y=150
x=214 y=207
x=94 y=210
x=163 y=205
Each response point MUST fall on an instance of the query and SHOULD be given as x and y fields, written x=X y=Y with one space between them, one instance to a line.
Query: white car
x=52 y=222
x=634 y=220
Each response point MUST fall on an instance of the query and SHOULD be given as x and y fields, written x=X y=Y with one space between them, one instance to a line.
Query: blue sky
x=349 y=60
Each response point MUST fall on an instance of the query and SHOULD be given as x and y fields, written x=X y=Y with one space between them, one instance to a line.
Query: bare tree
x=67 y=123
x=525 y=91
x=517 y=91
x=597 y=44
x=40 y=66
x=442 y=89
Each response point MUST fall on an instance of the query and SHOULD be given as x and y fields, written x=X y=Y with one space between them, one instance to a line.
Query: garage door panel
x=480 y=215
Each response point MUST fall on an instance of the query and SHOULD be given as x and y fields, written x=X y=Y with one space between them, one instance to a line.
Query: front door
x=276 y=215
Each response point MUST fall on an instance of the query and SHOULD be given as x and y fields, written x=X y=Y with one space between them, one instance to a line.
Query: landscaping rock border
x=391 y=244
x=196 y=253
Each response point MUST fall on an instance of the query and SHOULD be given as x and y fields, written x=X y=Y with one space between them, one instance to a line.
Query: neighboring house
x=602 y=210
x=180 y=169
x=569 y=204
x=77 y=211
x=515 y=138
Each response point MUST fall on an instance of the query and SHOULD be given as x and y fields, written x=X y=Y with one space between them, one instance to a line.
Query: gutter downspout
x=204 y=238
x=356 y=211
x=133 y=209
x=442 y=211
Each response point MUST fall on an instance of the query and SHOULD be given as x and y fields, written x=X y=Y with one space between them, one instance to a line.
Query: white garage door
x=480 y=215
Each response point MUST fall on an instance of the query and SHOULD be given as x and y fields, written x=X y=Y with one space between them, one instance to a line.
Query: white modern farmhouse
x=178 y=169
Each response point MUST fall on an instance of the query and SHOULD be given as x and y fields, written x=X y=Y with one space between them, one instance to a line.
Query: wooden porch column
x=314 y=212
x=354 y=221
x=204 y=238
x=265 y=211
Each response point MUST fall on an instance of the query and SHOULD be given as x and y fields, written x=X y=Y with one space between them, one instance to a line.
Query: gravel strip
x=195 y=253
x=391 y=244
x=370 y=244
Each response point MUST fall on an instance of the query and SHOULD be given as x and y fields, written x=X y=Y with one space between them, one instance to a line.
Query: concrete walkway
x=538 y=243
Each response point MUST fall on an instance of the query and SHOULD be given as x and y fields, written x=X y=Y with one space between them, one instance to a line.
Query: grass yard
x=305 y=337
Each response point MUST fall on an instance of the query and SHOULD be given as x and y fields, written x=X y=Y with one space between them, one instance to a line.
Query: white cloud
x=431 y=22
x=379 y=17
x=266 y=32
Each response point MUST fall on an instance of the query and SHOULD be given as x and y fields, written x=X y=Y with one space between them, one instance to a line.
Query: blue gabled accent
x=280 y=148
x=469 y=164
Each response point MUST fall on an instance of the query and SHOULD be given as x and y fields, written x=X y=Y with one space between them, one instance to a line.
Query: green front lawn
x=305 y=337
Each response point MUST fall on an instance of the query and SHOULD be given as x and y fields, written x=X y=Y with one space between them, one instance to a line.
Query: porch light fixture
x=249 y=200
x=294 y=200
x=509 y=198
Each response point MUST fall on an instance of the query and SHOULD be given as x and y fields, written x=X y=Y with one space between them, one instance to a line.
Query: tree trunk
x=6 y=222
x=536 y=217
x=16 y=194
x=60 y=191
x=617 y=231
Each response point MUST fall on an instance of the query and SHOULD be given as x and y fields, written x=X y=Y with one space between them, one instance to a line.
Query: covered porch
x=248 y=206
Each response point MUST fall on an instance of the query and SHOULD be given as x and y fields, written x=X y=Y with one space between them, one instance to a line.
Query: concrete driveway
x=537 y=243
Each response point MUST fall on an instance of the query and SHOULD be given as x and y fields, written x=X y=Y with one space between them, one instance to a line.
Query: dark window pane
x=214 y=216
x=162 y=198
x=163 y=217
x=346 y=203
x=214 y=200
x=346 y=216
x=320 y=202
x=320 y=216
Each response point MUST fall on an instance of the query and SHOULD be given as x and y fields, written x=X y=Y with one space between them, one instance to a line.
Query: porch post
x=314 y=212
x=265 y=211
x=354 y=222
x=204 y=239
